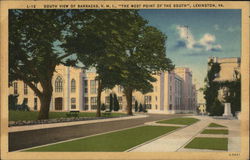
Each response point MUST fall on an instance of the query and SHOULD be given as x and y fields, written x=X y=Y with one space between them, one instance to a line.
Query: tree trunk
x=99 y=93
x=45 y=99
x=128 y=94
x=44 y=108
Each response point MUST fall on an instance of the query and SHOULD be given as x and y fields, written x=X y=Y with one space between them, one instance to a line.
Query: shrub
x=140 y=108
x=103 y=107
x=116 y=103
x=111 y=101
x=136 y=106
x=145 y=108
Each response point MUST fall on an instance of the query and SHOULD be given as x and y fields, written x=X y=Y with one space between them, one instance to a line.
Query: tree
x=146 y=55
x=213 y=105
x=36 y=47
x=121 y=47
x=211 y=89
x=116 y=103
x=136 y=106
x=111 y=102
x=98 y=42
x=12 y=99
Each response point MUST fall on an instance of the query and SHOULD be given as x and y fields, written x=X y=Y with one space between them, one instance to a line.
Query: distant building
x=187 y=93
x=76 y=89
x=230 y=66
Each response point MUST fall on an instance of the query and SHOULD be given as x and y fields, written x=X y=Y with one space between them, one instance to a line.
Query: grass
x=32 y=115
x=111 y=142
x=215 y=125
x=208 y=143
x=181 y=121
x=215 y=131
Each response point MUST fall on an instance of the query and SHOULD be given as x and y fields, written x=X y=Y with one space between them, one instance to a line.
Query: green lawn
x=215 y=131
x=215 y=125
x=181 y=121
x=32 y=115
x=111 y=142
x=208 y=143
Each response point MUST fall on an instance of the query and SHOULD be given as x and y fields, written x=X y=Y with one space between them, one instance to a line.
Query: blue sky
x=194 y=35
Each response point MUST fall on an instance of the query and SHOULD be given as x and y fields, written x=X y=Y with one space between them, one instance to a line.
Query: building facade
x=229 y=67
x=187 y=86
x=76 y=89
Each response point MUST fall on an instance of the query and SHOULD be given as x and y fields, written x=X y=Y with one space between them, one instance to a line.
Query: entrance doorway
x=58 y=103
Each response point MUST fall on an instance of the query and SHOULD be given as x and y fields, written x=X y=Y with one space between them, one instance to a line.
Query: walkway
x=31 y=138
x=177 y=140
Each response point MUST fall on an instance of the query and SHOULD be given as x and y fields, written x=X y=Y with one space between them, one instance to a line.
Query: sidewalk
x=63 y=124
x=177 y=140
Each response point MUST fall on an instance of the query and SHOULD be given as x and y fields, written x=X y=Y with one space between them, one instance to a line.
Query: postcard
x=124 y=80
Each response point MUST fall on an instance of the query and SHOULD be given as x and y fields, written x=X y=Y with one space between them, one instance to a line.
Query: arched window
x=73 y=85
x=58 y=84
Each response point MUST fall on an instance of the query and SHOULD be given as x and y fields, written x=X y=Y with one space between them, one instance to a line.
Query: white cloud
x=207 y=39
x=206 y=43
x=186 y=35
x=216 y=27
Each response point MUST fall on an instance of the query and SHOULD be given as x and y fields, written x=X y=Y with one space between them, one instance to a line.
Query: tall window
x=86 y=103
x=147 y=100
x=85 y=84
x=107 y=100
x=35 y=104
x=58 y=84
x=73 y=85
x=15 y=88
x=119 y=100
x=93 y=102
x=25 y=89
x=73 y=103
x=93 y=87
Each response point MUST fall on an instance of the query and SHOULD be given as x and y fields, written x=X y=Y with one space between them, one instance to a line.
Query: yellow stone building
x=76 y=89
x=229 y=67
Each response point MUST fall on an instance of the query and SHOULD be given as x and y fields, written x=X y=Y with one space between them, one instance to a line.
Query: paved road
x=32 y=138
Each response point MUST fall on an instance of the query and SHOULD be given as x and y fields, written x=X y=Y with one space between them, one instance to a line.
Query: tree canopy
x=36 y=39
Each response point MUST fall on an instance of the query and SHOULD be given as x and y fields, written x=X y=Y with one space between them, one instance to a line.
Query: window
x=133 y=99
x=73 y=103
x=93 y=102
x=85 y=86
x=15 y=88
x=35 y=104
x=85 y=90
x=25 y=101
x=147 y=100
x=73 y=85
x=107 y=100
x=25 y=89
x=170 y=106
x=86 y=83
x=119 y=100
x=155 y=98
x=86 y=103
x=93 y=87
x=58 y=84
